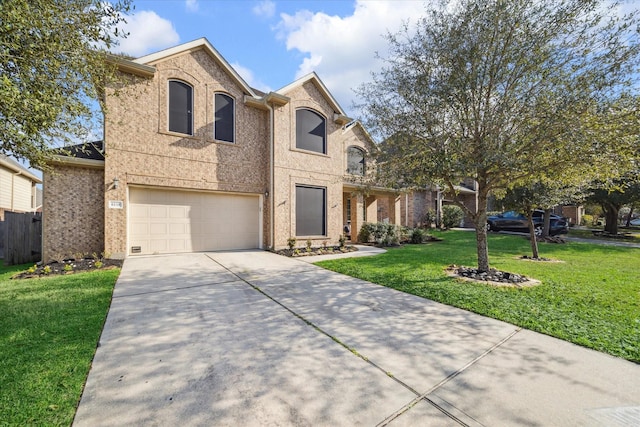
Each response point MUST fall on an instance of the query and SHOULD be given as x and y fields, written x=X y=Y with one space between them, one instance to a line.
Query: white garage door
x=164 y=221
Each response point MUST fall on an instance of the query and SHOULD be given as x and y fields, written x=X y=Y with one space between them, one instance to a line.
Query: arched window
x=180 y=107
x=355 y=161
x=224 y=119
x=310 y=131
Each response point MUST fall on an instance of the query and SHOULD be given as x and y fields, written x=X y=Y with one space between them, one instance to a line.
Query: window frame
x=300 y=146
x=233 y=117
x=364 y=160
x=189 y=112
x=300 y=226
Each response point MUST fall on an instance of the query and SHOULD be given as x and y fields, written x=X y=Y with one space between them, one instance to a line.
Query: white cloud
x=342 y=49
x=250 y=78
x=265 y=8
x=192 y=5
x=148 y=32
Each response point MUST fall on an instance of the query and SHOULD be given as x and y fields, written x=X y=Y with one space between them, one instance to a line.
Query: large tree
x=502 y=91
x=52 y=67
x=611 y=199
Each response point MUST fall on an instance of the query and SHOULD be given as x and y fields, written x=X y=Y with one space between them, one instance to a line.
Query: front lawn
x=49 y=329
x=632 y=235
x=592 y=298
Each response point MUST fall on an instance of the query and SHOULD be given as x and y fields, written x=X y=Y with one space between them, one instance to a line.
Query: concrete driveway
x=251 y=338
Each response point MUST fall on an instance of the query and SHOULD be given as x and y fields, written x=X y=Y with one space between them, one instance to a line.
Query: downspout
x=271 y=184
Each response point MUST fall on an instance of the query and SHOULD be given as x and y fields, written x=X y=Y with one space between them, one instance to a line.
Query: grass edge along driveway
x=591 y=297
x=49 y=330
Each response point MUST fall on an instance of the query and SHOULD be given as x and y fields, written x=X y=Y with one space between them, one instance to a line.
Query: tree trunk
x=480 y=222
x=628 y=224
x=532 y=236
x=546 y=225
x=611 y=216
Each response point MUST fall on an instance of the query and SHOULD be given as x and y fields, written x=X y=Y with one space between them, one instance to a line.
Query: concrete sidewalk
x=252 y=338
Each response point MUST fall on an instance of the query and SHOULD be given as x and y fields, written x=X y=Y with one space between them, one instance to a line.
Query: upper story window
x=355 y=161
x=224 y=119
x=310 y=131
x=180 y=107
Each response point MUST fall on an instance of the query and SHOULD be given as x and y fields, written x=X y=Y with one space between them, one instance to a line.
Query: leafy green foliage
x=591 y=297
x=53 y=62
x=505 y=91
x=418 y=235
x=381 y=233
x=48 y=335
x=451 y=216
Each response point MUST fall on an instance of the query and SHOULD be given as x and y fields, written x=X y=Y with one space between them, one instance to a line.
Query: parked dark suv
x=514 y=221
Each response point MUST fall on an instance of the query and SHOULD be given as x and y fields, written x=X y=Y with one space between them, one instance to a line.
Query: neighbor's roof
x=90 y=151
x=90 y=154
x=17 y=168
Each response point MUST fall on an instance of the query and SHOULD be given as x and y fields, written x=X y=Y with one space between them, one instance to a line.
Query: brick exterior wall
x=73 y=212
x=293 y=166
x=141 y=151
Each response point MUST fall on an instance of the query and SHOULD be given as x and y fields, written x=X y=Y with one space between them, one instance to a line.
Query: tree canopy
x=505 y=91
x=52 y=66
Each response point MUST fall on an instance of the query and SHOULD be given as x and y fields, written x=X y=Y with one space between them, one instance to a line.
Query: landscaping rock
x=492 y=275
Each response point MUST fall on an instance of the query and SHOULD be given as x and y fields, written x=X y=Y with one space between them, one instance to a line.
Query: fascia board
x=201 y=43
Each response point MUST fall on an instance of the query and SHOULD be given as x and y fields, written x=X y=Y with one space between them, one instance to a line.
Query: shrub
x=586 y=219
x=342 y=240
x=291 y=242
x=364 y=235
x=381 y=233
x=452 y=215
x=418 y=235
x=429 y=218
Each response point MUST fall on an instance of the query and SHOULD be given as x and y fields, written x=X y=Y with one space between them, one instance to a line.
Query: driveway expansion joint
x=440 y=406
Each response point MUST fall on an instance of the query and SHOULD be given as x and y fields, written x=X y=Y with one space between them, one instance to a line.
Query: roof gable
x=17 y=168
x=313 y=78
x=199 y=44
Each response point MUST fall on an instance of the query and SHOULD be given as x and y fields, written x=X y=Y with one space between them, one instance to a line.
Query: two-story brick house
x=194 y=159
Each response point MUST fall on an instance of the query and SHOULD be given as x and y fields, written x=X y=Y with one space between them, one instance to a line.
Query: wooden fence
x=23 y=237
x=2 y=226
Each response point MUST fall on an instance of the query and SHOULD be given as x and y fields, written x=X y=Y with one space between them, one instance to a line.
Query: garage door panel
x=156 y=229
x=157 y=211
x=166 y=221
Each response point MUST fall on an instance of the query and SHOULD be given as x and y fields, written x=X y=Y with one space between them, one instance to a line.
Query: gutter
x=75 y=161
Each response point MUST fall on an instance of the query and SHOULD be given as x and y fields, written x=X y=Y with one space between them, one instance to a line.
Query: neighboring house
x=415 y=204
x=18 y=191
x=194 y=159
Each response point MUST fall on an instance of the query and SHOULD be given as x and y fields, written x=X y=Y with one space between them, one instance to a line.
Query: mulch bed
x=328 y=250
x=69 y=266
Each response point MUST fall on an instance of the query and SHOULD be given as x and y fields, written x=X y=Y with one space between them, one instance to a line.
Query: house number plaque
x=115 y=204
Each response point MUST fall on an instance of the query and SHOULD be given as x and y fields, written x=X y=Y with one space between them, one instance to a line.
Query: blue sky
x=272 y=43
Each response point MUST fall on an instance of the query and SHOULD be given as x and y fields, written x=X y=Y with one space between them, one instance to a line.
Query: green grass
x=49 y=329
x=592 y=298
x=633 y=235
